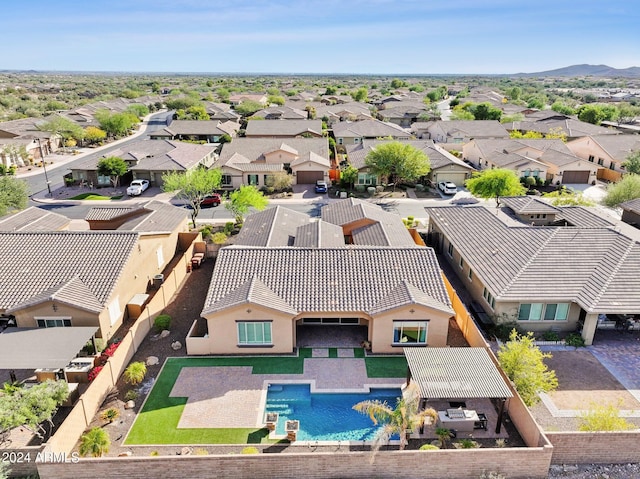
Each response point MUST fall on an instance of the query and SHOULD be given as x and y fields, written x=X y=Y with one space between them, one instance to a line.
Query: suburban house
x=22 y=140
x=34 y=219
x=606 y=152
x=283 y=129
x=352 y=111
x=404 y=114
x=261 y=297
x=541 y=277
x=281 y=113
x=631 y=212
x=459 y=131
x=149 y=159
x=544 y=122
x=444 y=165
x=250 y=161
x=353 y=133
x=235 y=100
x=549 y=160
x=194 y=130
x=221 y=112
x=84 y=278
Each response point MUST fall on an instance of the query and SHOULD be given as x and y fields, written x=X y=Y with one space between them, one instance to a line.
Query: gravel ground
x=600 y=471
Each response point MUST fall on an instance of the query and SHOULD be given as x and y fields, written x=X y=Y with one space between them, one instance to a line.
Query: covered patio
x=453 y=379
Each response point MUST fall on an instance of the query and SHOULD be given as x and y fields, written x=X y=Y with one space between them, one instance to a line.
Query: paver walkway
x=213 y=392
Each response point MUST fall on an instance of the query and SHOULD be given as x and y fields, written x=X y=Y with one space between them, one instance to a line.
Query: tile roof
x=368 y=129
x=582 y=217
x=526 y=205
x=275 y=226
x=107 y=213
x=327 y=279
x=618 y=146
x=386 y=233
x=38 y=263
x=33 y=219
x=631 y=205
x=571 y=127
x=73 y=292
x=455 y=373
x=190 y=127
x=515 y=262
x=158 y=217
x=319 y=234
x=473 y=128
x=283 y=127
x=254 y=149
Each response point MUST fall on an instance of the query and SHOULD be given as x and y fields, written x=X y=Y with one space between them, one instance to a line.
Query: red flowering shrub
x=109 y=350
x=94 y=372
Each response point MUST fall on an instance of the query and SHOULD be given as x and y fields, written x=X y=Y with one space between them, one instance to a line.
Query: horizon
x=273 y=37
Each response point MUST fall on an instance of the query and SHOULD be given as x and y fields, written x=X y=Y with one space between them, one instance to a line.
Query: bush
x=429 y=447
x=219 y=238
x=110 y=350
x=228 y=228
x=206 y=231
x=94 y=372
x=529 y=181
x=575 y=340
x=162 y=322
x=360 y=188
x=110 y=414
x=250 y=450
x=550 y=336
x=603 y=418
x=131 y=395
x=135 y=372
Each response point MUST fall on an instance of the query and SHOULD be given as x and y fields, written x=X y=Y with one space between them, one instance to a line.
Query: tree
x=14 y=194
x=360 y=94
x=93 y=134
x=116 y=124
x=563 y=108
x=628 y=188
x=632 y=163
x=138 y=110
x=279 y=181
x=135 y=372
x=63 y=127
x=275 y=100
x=523 y=362
x=401 y=420
x=603 y=417
x=241 y=200
x=193 y=186
x=458 y=113
x=563 y=197
x=398 y=162
x=248 y=108
x=349 y=175
x=196 y=112
x=495 y=183
x=94 y=443
x=31 y=407
x=113 y=167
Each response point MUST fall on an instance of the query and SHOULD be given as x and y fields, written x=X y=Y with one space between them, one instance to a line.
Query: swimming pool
x=325 y=416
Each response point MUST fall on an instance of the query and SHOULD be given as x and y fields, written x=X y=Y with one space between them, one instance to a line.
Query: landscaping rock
x=125 y=454
x=176 y=345
x=165 y=333
x=130 y=404
x=152 y=360
x=185 y=451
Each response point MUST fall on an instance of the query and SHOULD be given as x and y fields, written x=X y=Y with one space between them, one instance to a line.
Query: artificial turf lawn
x=157 y=422
x=93 y=196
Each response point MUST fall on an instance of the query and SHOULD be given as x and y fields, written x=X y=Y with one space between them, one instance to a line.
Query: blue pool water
x=325 y=416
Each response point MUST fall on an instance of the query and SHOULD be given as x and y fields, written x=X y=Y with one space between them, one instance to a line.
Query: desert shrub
x=206 y=231
x=200 y=451
x=135 y=372
x=228 y=227
x=94 y=372
x=603 y=418
x=154 y=453
x=219 y=238
x=550 y=336
x=250 y=450
x=131 y=395
x=162 y=322
x=429 y=447
x=467 y=444
x=575 y=340
x=110 y=414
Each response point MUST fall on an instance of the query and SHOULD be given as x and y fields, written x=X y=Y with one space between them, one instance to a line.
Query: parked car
x=447 y=187
x=321 y=186
x=214 y=199
x=137 y=187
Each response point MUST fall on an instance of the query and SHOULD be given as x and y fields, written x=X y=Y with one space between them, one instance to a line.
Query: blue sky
x=319 y=36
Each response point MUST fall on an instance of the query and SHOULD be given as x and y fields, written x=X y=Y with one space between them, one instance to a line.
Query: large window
x=226 y=180
x=53 y=322
x=546 y=312
x=486 y=294
x=254 y=333
x=252 y=180
x=450 y=249
x=556 y=312
x=410 y=332
x=367 y=179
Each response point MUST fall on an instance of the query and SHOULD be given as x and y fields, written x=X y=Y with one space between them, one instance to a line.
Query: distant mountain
x=588 y=70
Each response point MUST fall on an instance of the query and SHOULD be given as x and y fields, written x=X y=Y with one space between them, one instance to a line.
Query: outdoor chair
x=482 y=421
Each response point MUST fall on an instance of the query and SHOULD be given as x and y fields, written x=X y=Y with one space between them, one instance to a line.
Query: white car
x=447 y=187
x=137 y=187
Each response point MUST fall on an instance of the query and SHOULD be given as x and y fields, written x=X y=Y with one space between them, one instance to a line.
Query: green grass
x=386 y=367
x=93 y=196
x=157 y=422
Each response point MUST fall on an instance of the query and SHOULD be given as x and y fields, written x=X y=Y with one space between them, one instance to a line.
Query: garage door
x=309 y=177
x=575 y=177
x=457 y=178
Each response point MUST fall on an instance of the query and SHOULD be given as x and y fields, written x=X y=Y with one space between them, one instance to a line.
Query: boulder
x=176 y=345
x=125 y=454
x=152 y=361
x=130 y=404
x=165 y=333
x=185 y=451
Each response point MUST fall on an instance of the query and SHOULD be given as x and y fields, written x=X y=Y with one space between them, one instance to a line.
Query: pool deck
x=233 y=397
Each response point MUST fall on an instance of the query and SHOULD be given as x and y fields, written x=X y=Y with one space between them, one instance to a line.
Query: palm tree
x=444 y=434
x=95 y=443
x=135 y=372
x=403 y=419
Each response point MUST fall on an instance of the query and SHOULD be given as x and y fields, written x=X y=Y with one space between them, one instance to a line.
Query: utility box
x=136 y=305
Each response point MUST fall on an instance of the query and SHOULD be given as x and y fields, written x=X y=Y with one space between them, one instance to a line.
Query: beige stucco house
x=353 y=133
x=607 y=153
x=284 y=274
x=556 y=276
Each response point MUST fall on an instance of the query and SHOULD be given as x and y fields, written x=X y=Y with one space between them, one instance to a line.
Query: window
x=530 y=312
x=486 y=294
x=339 y=141
x=356 y=141
x=254 y=333
x=252 y=180
x=612 y=166
x=527 y=172
x=591 y=158
x=556 y=312
x=54 y=322
x=600 y=161
x=461 y=263
x=470 y=275
x=450 y=249
x=103 y=180
x=536 y=173
x=226 y=180
x=367 y=179
x=410 y=332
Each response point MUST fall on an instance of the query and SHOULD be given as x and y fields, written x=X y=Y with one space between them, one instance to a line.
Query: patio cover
x=455 y=373
x=35 y=348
